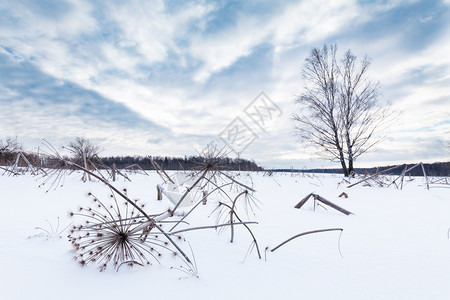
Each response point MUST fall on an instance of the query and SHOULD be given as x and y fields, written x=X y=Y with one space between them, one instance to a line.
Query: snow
x=394 y=246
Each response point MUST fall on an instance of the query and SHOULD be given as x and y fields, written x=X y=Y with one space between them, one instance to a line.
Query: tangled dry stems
x=115 y=234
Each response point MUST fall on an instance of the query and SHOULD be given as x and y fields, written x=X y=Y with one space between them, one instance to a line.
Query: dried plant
x=385 y=181
x=83 y=158
x=226 y=211
x=52 y=232
x=191 y=268
x=312 y=232
x=116 y=234
x=220 y=184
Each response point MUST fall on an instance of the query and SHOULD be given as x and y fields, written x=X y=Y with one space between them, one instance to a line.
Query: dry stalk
x=312 y=232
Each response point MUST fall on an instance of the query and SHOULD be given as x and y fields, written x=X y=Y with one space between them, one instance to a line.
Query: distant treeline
x=434 y=169
x=178 y=163
x=167 y=163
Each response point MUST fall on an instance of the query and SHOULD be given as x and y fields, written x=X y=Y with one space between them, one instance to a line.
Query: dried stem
x=306 y=233
x=211 y=227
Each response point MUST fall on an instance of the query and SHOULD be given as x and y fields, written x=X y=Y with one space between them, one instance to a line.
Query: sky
x=170 y=78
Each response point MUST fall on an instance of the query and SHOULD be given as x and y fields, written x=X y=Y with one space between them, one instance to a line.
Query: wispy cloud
x=298 y=23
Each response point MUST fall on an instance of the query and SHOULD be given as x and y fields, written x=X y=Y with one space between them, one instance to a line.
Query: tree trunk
x=344 y=167
x=349 y=149
x=350 y=167
x=342 y=160
x=350 y=160
x=341 y=152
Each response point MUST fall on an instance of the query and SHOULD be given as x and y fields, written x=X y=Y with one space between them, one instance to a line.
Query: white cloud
x=306 y=22
x=7 y=93
x=299 y=23
x=68 y=24
x=118 y=59
x=222 y=50
x=425 y=100
x=144 y=27
x=150 y=29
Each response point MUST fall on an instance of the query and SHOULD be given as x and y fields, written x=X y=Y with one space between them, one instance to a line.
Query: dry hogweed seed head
x=108 y=239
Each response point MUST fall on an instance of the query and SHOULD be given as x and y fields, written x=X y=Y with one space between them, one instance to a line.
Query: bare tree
x=83 y=151
x=339 y=113
x=8 y=149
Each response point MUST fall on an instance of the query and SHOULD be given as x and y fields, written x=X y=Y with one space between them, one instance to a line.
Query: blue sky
x=168 y=77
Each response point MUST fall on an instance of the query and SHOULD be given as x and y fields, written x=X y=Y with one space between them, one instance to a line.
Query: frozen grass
x=395 y=246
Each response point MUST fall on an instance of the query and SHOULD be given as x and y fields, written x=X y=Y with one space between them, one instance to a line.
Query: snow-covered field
x=395 y=246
